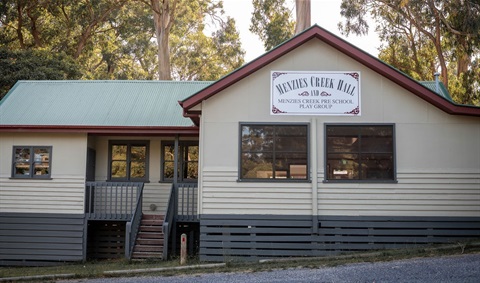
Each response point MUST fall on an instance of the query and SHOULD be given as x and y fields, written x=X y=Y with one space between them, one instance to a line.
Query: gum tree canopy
x=117 y=39
x=272 y=20
x=421 y=37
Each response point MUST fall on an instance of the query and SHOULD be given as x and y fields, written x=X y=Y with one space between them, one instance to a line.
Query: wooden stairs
x=149 y=243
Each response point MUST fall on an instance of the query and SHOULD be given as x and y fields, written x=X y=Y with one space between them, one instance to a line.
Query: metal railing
x=116 y=201
x=182 y=207
x=187 y=200
x=112 y=200
x=168 y=222
x=132 y=227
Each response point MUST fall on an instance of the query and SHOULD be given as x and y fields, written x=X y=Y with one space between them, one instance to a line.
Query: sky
x=325 y=13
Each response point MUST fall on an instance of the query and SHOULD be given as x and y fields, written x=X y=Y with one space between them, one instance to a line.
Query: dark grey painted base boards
x=41 y=239
x=253 y=237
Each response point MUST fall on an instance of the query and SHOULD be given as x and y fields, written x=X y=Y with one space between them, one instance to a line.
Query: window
x=128 y=161
x=31 y=162
x=360 y=152
x=274 y=152
x=187 y=161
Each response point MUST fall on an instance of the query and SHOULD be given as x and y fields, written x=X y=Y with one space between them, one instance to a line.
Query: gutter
x=102 y=130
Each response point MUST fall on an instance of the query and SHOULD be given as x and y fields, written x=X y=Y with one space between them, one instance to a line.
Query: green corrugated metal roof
x=443 y=92
x=97 y=103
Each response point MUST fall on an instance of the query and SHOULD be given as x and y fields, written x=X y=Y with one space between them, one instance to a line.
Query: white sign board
x=315 y=93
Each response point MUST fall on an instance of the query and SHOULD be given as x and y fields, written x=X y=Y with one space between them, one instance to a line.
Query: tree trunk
x=83 y=41
x=162 y=18
x=463 y=63
x=20 y=6
x=33 y=27
x=164 y=66
x=441 y=57
x=303 y=13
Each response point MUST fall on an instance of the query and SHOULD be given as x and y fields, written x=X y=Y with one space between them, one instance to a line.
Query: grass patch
x=88 y=269
x=96 y=269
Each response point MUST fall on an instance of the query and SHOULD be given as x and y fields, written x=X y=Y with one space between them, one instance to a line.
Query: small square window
x=32 y=162
x=128 y=161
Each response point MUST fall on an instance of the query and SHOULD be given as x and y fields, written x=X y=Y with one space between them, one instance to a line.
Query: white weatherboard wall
x=437 y=155
x=64 y=193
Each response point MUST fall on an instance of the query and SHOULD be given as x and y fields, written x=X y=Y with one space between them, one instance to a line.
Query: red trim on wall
x=103 y=130
x=342 y=46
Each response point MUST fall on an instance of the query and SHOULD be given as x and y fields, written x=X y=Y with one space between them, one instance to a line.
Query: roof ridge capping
x=363 y=57
x=442 y=89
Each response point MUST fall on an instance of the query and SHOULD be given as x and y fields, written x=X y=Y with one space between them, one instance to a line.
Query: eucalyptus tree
x=272 y=21
x=423 y=36
x=87 y=31
x=303 y=15
x=126 y=48
x=196 y=56
x=57 y=25
x=191 y=54
x=123 y=39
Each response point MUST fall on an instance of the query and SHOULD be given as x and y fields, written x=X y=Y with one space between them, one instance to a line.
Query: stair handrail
x=133 y=225
x=168 y=222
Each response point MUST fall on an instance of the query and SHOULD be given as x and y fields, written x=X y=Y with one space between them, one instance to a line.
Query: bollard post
x=183 y=249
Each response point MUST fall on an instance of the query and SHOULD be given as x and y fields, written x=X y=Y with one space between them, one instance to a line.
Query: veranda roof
x=97 y=103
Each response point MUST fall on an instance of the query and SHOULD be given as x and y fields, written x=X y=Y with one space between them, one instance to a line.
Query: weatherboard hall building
x=312 y=149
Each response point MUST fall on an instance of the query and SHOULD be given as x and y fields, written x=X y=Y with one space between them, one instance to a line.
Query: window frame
x=129 y=144
x=274 y=180
x=31 y=162
x=181 y=163
x=394 y=155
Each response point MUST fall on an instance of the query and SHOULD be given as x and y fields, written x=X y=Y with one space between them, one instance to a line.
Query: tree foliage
x=208 y=57
x=272 y=22
x=34 y=65
x=421 y=37
x=198 y=56
x=119 y=39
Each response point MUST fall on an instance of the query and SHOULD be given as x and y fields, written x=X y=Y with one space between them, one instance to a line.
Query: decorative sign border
x=315 y=93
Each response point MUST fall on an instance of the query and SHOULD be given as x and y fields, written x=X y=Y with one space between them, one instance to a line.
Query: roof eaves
x=247 y=69
x=103 y=130
x=9 y=92
x=343 y=46
x=397 y=76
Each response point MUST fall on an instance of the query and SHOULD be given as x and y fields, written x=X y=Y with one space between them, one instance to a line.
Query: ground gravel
x=460 y=268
